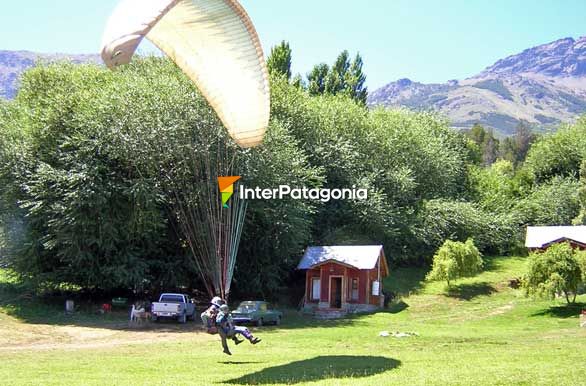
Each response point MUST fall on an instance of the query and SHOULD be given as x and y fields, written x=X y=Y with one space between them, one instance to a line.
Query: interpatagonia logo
x=226 y=185
x=302 y=193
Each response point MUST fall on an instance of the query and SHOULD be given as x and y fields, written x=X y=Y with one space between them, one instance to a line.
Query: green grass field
x=480 y=332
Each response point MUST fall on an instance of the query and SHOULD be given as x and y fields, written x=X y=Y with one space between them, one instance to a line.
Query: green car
x=257 y=312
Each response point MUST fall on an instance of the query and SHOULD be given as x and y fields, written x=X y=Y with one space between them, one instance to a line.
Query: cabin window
x=375 y=285
x=315 y=288
x=354 y=289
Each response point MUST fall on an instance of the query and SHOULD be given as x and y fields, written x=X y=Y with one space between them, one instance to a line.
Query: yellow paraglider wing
x=216 y=45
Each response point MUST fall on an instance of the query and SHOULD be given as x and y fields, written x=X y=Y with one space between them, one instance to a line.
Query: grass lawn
x=479 y=332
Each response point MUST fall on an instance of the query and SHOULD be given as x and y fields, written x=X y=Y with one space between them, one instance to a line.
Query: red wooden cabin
x=346 y=278
x=542 y=237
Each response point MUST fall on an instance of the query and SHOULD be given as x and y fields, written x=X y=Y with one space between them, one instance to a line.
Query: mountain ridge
x=14 y=63
x=542 y=86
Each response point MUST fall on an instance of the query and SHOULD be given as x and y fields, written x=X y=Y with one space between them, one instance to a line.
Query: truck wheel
x=183 y=318
x=259 y=322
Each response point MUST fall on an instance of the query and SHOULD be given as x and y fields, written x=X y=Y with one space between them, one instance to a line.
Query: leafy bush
x=497 y=187
x=559 y=154
x=556 y=270
x=581 y=259
x=441 y=220
x=554 y=202
x=455 y=260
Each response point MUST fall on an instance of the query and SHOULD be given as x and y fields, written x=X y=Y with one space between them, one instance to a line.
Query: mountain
x=13 y=63
x=543 y=86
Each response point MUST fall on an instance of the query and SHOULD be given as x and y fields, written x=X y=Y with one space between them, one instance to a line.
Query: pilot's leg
x=224 y=341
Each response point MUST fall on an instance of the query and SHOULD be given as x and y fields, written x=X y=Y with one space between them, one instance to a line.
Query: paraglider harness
x=210 y=319
x=224 y=322
x=209 y=316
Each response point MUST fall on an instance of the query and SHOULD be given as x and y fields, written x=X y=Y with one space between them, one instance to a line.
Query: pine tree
x=355 y=80
x=279 y=61
x=343 y=77
x=317 y=79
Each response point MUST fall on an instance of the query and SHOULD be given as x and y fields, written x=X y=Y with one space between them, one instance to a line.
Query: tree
x=581 y=259
x=558 y=154
x=85 y=160
x=355 y=80
x=316 y=79
x=515 y=147
x=552 y=203
x=486 y=141
x=279 y=61
x=490 y=148
x=581 y=217
x=336 y=79
x=524 y=137
x=477 y=133
x=455 y=260
x=343 y=77
x=508 y=150
x=553 y=271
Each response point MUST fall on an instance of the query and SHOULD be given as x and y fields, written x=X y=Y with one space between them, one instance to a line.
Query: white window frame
x=315 y=295
x=354 y=294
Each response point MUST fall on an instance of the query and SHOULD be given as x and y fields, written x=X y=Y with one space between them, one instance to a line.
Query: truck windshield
x=171 y=299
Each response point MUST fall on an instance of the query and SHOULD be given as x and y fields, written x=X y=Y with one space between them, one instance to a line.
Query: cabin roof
x=538 y=237
x=357 y=256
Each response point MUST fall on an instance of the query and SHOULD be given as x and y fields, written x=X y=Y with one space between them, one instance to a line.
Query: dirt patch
x=501 y=310
x=18 y=336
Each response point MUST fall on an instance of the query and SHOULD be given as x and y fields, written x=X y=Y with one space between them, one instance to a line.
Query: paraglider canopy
x=215 y=45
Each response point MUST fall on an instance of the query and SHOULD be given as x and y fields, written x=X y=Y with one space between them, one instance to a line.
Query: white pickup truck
x=176 y=306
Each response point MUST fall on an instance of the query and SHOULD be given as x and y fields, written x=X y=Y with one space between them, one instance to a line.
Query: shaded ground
x=470 y=290
x=563 y=311
x=318 y=368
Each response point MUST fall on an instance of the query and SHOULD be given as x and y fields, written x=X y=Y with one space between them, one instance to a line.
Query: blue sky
x=424 y=40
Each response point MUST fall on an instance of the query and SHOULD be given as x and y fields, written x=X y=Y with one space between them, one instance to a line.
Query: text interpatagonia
x=305 y=193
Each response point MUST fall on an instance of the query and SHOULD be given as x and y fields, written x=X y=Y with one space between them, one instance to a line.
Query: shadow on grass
x=395 y=308
x=319 y=368
x=470 y=291
x=565 y=311
x=404 y=281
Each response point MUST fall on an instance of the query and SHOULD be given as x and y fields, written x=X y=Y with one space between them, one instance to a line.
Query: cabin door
x=336 y=292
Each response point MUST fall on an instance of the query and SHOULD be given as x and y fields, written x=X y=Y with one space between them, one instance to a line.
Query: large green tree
x=88 y=169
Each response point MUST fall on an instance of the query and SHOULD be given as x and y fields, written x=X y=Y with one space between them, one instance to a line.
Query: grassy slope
x=481 y=333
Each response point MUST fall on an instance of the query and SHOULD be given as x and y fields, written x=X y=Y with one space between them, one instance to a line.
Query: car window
x=171 y=299
x=246 y=307
x=269 y=306
x=263 y=307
